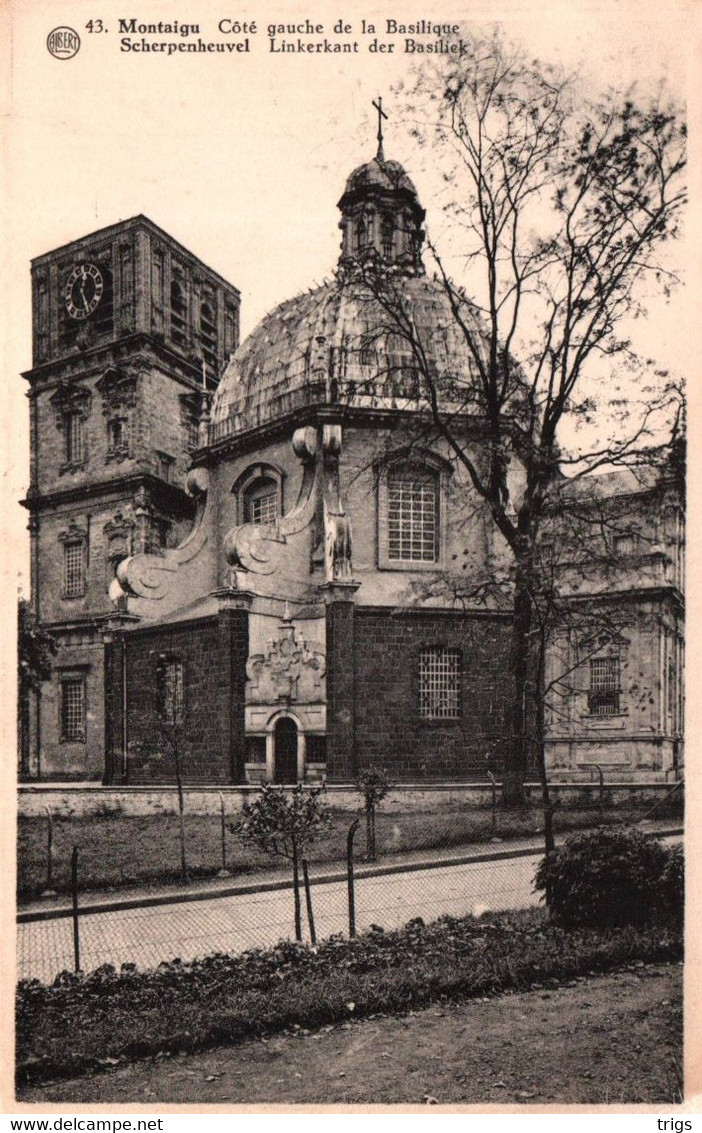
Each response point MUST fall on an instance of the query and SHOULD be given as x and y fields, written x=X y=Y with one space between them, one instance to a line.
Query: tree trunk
x=517 y=738
x=524 y=688
x=296 y=891
x=539 y=742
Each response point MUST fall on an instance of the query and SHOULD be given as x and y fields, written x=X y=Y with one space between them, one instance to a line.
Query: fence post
x=224 y=872
x=74 y=895
x=349 y=869
x=49 y=890
x=308 y=900
x=493 y=819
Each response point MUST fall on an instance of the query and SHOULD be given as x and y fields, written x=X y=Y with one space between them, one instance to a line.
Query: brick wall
x=389 y=729
x=211 y=739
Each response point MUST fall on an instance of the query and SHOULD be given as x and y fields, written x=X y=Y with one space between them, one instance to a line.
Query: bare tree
x=561 y=207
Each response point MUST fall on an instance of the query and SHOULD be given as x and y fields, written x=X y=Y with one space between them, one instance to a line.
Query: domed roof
x=381 y=174
x=335 y=345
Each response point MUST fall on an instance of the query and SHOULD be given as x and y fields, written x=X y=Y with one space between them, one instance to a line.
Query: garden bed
x=85 y=1023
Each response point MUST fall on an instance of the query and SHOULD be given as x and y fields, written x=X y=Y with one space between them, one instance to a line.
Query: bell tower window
x=75 y=446
x=208 y=337
x=178 y=313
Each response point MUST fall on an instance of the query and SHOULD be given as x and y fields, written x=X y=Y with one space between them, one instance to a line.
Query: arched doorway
x=285 y=740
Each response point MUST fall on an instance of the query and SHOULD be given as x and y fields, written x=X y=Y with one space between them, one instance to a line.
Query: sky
x=243 y=157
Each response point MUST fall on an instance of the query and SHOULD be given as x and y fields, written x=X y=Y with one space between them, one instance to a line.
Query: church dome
x=334 y=345
x=389 y=176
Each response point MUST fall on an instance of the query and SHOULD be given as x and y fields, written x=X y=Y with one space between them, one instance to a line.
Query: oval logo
x=63 y=43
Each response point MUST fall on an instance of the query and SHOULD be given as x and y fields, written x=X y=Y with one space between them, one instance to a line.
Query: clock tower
x=130 y=335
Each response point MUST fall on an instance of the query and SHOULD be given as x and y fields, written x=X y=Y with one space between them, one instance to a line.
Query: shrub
x=672 y=883
x=610 y=877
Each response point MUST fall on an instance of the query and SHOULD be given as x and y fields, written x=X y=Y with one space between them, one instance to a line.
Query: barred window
x=73 y=709
x=439 y=683
x=413 y=517
x=172 y=698
x=73 y=570
x=261 y=504
x=75 y=448
x=625 y=544
x=605 y=691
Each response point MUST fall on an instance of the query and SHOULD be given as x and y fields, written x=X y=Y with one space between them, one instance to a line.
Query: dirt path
x=601 y=1040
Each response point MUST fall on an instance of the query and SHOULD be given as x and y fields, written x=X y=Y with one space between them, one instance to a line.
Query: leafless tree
x=562 y=207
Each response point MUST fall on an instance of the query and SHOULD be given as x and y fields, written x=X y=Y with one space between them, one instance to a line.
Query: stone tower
x=130 y=332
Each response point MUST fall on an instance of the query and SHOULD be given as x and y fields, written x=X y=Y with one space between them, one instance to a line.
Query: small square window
x=73 y=710
x=625 y=544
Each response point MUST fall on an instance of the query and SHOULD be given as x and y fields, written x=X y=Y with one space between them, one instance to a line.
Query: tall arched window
x=411 y=504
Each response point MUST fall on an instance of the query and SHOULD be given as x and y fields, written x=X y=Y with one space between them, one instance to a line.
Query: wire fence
x=347 y=895
x=121 y=852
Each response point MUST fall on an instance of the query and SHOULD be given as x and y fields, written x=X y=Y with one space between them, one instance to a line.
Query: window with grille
x=73 y=709
x=73 y=570
x=439 y=683
x=413 y=517
x=172 y=706
x=261 y=505
x=625 y=544
x=75 y=448
x=605 y=690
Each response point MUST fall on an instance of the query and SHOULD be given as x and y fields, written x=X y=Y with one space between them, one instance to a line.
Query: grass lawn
x=86 y=1023
x=116 y=850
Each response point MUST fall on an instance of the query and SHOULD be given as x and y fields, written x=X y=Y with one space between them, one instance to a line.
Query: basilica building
x=251 y=553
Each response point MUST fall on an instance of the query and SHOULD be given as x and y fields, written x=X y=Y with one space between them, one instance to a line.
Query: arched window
x=261 y=502
x=259 y=493
x=410 y=514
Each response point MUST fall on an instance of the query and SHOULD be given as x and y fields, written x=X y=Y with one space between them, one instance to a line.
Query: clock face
x=83 y=290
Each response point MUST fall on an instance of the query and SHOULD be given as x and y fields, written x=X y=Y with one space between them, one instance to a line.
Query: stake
x=74 y=894
x=49 y=890
x=349 y=869
x=224 y=872
x=493 y=820
x=308 y=900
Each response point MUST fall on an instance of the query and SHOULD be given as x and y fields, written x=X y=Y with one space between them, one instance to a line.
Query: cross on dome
x=380 y=156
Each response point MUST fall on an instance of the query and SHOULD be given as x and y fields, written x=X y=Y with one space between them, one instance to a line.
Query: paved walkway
x=147 y=929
